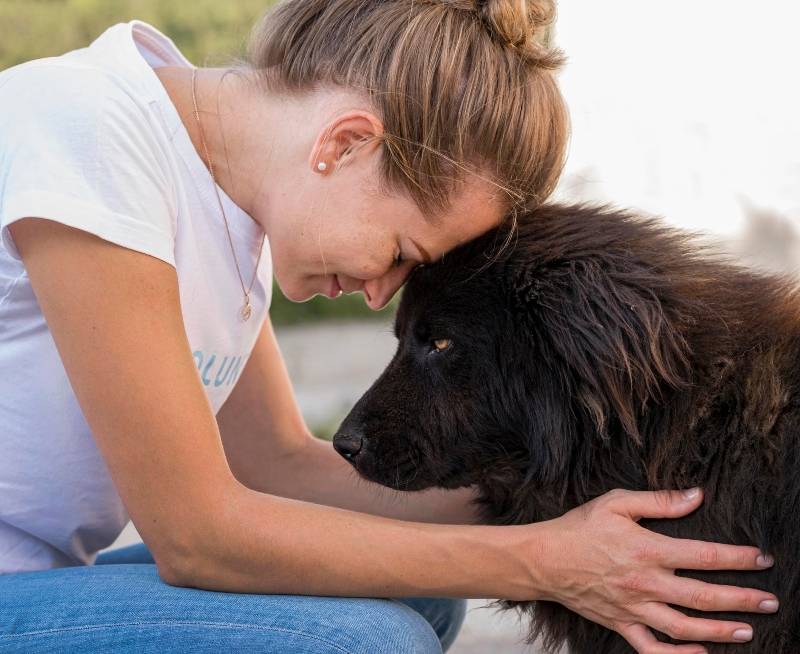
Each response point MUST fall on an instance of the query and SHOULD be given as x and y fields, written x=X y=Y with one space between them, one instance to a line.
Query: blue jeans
x=126 y=607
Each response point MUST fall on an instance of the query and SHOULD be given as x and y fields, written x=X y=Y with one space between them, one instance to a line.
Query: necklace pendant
x=246 y=311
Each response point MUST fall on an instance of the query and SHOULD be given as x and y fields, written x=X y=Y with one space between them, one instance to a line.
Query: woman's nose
x=378 y=291
x=377 y=298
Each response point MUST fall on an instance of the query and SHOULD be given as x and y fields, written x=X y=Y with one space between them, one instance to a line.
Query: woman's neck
x=228 y=114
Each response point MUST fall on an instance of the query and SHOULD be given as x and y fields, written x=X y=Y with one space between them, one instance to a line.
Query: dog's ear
x=606 y=331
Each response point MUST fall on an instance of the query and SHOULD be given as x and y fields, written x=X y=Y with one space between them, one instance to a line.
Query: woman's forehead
x=478 y=208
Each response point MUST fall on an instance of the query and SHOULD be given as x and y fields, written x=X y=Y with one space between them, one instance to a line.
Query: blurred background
x=686 y=110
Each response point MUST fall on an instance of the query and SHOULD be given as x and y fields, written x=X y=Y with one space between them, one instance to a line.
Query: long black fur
x=601 y=350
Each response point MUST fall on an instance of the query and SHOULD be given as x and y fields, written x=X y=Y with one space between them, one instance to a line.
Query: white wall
x=687 y=109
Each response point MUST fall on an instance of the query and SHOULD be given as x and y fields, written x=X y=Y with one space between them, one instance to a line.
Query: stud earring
x=322 y=166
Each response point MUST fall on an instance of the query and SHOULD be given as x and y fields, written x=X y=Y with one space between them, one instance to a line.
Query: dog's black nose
x=348 y=445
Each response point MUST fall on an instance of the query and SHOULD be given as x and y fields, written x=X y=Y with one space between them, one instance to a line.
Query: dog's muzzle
x=348 y=445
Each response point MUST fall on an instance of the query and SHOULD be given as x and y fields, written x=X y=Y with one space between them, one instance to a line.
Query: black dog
x=596 y=351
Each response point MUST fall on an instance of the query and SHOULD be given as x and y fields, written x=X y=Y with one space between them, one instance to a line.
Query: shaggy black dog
x=599 y=350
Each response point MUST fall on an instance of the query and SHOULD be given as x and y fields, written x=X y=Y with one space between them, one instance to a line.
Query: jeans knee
x=394 y=628
x=445 y=615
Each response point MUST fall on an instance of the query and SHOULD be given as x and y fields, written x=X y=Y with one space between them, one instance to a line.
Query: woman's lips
x=335 y=290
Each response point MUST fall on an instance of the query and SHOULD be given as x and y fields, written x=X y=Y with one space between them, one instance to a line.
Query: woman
x=361 y=139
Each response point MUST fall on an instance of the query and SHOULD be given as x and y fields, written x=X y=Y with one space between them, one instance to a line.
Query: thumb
x=657 y=504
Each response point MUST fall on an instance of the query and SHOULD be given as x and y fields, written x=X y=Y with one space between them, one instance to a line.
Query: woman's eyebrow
x=426 y=258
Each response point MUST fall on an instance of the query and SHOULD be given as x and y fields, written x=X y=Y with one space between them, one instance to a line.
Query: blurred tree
x=209 y=32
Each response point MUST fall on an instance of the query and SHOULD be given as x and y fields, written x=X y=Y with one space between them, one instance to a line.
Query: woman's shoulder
x=44 y=94
x=76 y=147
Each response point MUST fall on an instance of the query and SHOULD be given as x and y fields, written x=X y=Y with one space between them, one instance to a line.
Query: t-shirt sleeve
x=77 y=149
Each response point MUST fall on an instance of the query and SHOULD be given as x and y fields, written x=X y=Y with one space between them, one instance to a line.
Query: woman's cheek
x=369 y=270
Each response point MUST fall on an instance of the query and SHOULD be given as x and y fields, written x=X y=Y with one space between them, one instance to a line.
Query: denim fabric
x=121 y=605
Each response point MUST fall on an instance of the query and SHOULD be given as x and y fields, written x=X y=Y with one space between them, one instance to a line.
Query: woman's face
x=343 y=233
x=333 y=228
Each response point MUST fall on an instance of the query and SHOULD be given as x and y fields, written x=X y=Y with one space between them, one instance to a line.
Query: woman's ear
x=349 y=135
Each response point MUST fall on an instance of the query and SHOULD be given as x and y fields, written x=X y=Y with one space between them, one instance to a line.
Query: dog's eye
x=441 y=344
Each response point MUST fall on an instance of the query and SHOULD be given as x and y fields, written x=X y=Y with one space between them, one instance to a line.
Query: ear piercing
x=321 y=166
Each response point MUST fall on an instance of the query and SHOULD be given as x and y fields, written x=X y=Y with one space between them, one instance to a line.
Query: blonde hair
x=459 y=85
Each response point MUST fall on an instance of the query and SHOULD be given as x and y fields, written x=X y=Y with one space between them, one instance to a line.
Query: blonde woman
x=144 y=206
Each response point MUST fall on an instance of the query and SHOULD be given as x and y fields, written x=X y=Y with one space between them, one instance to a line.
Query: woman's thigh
x=127 y=608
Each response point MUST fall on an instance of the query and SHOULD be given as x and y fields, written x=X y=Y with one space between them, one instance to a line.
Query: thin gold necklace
x=246 y=311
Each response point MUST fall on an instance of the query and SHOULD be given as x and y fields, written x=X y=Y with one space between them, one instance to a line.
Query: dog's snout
x=348 y=445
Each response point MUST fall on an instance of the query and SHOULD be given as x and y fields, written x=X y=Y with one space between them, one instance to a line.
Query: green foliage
x=208 y=32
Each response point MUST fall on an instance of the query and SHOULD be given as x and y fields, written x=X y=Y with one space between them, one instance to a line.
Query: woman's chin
x=298 y=294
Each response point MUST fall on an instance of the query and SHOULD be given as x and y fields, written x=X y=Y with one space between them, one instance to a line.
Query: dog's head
x=509 y=356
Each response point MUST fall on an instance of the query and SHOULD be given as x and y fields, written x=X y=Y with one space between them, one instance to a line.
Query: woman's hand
x=605 y=567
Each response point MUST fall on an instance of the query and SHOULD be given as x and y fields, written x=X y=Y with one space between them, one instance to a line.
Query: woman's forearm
x=314 y=472
x=253 y=542
x=266 y=544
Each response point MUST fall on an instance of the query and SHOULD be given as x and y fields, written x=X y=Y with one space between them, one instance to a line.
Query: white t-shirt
x=92 y=140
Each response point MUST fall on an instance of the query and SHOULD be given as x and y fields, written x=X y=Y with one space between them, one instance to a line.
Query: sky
x=689 y=110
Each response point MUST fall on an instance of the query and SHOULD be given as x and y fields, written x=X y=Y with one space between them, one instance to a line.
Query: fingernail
x=743 y=635
x=770 y=606
x=690 y=493
x=764 y=560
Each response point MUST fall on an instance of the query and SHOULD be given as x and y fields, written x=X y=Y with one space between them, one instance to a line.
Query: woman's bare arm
x=270 y=449
x=115 y=318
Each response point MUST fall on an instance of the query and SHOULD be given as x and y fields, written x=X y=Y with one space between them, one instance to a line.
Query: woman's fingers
x=699 y=555
x=685 y=554
x=701 y=596
x=654 y=504
x=643 y=641
x=623 y=575
x=681 y=627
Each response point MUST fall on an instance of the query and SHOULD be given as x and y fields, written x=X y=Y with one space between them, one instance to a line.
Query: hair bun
x=520 y=24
